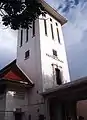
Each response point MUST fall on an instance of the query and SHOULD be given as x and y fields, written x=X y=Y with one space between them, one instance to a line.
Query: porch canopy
x=72 y=91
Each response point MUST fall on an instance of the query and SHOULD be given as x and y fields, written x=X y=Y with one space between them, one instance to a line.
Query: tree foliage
x=17 y=13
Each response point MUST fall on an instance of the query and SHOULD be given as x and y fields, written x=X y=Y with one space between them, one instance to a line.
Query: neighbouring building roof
x=74 y=90
x=53 y=12
x=12 y=73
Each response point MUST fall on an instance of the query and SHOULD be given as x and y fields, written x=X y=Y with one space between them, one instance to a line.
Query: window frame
x=58 y=76
x=27 y=54
x=56 y=24
x=55 y=53
x=50 y=19
x=19 y=95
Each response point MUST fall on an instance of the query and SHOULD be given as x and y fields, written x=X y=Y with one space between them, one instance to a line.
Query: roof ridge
x=24 y=74
x=7 y=66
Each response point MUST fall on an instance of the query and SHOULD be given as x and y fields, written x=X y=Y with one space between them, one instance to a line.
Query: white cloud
x=8 y=43
x=75 y=33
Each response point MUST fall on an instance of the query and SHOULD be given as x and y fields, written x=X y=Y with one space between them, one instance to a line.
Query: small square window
x=19 y=95
x=50 y=19
x=55 y=53
x=27 y=53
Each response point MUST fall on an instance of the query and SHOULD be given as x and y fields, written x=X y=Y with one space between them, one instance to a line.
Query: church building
x=41 y=65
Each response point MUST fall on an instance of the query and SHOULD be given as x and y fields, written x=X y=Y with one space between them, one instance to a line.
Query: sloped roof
x=11 y=72
x=53 y=12
x=74 y=90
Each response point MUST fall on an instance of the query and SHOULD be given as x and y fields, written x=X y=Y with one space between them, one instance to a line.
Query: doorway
x=18 y=116
x=57 y=110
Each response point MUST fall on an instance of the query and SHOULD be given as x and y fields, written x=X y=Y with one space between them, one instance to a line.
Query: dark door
x=18 y=116
x=58 y=76
x=57 y=110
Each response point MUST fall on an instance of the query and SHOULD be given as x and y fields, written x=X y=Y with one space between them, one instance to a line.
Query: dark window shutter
x=55 y=53
x=58 y=35
x=21 y=41
x=45 y=26
x=27 y=53
x=27 y=35
x=58 y=76
x=52 y=31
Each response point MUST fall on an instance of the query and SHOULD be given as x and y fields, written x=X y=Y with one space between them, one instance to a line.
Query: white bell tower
x=41 y=51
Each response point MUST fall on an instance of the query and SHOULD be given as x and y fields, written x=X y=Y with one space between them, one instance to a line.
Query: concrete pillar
x=46 y=109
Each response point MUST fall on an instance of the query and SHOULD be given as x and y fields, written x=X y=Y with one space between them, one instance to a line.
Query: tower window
x=21 y=41
x=19 y=95
x=56 y=24
x=58 y=35
x=58 y=76
x=54 y=52
x=27 y=35
x=27 y=53
x=50 y=19
x=45 y=26
x=52 y=31
x=33 y=29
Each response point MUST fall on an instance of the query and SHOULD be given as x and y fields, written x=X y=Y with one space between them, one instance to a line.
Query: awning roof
x=75 y=90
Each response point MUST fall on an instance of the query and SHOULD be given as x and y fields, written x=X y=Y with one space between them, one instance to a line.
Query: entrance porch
x=62 y=101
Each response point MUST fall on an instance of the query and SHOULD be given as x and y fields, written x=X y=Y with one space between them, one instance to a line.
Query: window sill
x=46 y=35
x=20 y=46
x=26 y=41
x=33 y=36
x=26 y=58
x=55 y=57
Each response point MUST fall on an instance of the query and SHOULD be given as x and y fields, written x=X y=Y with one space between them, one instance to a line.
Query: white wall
x=47 y=44
x=31 y=67
x=15 y=102
x=2 y=106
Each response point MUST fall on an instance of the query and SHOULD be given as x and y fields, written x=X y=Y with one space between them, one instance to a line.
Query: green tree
x=16 y=13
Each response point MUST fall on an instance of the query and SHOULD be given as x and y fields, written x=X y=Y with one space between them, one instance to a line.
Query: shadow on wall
x=48 y=81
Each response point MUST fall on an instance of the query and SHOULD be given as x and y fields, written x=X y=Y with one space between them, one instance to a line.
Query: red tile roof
x=12 y=73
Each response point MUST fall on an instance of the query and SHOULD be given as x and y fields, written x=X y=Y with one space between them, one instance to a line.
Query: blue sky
x=75 y=35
